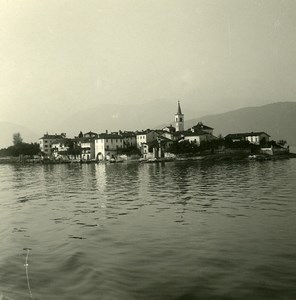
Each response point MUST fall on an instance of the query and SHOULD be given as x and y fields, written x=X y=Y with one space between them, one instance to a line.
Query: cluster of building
x=150 y=143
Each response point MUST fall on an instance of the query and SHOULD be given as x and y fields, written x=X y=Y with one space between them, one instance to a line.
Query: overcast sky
x=58 y=56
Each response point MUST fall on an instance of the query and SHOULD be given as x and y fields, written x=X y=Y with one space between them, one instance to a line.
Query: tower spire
x=179 y=119
x=179 y=112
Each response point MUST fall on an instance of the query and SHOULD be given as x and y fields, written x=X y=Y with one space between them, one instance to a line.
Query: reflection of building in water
x=100 y=176
x=181 y=182
x=117 y=189
x=144 y=181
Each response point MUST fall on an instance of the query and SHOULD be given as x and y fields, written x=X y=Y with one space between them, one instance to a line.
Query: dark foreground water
x=178 y=230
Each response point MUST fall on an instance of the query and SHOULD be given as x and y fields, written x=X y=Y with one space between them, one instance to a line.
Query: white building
x=86 y=142
x=107 y=145
x=87 y=148
x=59 y=149
x=48 y=140
x=197 y=137
x=146 y=136
x=253 y=137
x=156 y=148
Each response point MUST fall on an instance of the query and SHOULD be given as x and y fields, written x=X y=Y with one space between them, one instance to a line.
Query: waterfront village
x=171 y=142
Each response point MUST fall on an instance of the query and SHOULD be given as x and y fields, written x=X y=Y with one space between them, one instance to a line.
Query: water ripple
x=149 y=231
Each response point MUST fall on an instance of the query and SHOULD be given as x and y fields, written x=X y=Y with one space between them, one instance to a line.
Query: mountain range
x=277 y=119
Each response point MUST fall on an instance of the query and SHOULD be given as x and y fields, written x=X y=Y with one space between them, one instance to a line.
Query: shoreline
x=208 y=157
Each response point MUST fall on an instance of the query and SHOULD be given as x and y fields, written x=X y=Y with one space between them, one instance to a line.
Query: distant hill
x=8 y=129
x=113 y=117
x=276 y=119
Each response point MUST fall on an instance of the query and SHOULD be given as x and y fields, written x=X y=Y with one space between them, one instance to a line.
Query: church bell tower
x=179 y=119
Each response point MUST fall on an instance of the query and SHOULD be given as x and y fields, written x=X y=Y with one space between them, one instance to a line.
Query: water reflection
x=138 y=231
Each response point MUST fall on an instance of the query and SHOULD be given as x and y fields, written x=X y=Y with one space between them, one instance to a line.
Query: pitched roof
x=128 y=134
x=195 y=133
x=201 y=126
x=90 y=134
x=145 y=132
x=164 y=139
x=245 y=134
x=156 y=142
x=110 y=136
x=86 y=139
x=53 y=136
x=169 y=128
x=61 y=141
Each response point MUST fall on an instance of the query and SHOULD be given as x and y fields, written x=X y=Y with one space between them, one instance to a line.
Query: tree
x=23 y=148
x=282 y=143
x=17 y=139
x=73 y=148
x=183 y=147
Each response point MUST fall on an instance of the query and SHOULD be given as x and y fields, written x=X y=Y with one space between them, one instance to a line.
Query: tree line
x=20 y=148
x=186 y=147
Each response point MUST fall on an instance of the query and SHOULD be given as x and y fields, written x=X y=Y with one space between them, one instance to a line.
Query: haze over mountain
x=61 y=58
x=102 y=117
x=113 y=117
x=277 y=119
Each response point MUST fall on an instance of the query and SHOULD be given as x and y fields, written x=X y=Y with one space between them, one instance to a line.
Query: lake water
x=178 y=230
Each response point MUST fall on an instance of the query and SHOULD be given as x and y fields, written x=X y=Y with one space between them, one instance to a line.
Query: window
x=181 y=120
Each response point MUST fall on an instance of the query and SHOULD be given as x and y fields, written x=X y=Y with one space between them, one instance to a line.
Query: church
x=196 y=134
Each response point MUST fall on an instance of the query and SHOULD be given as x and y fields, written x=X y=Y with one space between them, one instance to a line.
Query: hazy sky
x=58 y=56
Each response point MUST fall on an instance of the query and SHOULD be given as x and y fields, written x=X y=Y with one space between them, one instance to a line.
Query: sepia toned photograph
x=147 y=149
